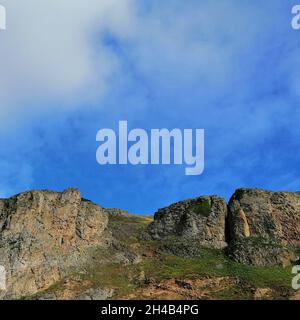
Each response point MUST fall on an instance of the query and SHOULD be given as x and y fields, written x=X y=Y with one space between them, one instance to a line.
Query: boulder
x=202 y=219
x=255 y=212
x=264 y=226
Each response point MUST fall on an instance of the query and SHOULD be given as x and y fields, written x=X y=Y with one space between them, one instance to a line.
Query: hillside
x=60 y=246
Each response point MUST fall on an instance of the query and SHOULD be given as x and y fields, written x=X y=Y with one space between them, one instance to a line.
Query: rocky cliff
x=264 y=226
x=259 y=227
x=202 y=218
x=60 y=246
x=266 y=214
x=44 y=235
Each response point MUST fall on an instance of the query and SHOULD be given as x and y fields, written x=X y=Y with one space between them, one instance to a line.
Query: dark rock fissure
x=227 y=228
x=258 y=227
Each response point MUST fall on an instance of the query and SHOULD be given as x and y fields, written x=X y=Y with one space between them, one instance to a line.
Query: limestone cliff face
x=44 y=235
x=260 y=227
x=254 y=212
x=264 y=226
x=201 y=218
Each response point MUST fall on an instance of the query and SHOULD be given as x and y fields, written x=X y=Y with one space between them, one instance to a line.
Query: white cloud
x=51 y=52
x=52 y=55
x=197 y=42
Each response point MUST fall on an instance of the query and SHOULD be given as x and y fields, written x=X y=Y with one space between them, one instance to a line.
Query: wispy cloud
x=50 y=53
x=226 y=66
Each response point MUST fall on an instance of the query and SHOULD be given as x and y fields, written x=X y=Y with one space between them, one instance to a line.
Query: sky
x=69 y=68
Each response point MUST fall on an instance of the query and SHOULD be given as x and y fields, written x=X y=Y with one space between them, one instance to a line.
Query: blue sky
x=69 y=68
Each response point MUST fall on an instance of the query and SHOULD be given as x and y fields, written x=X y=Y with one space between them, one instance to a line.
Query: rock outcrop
x=259 y=251
x=202 y=218
x=49 y=238
x=259 y=227
x=254 y=212
x=264 y=226
x=44 y=235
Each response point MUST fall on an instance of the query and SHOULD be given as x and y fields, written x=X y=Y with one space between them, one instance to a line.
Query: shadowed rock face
x=261 y=227
x=201 y=218
x=43 y=235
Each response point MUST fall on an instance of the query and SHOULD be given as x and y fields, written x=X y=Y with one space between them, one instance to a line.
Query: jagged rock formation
x=201 y=218
x=254 y=212
x=60 y=246
x=264 y=226
x=260 y=227
x=44 y=235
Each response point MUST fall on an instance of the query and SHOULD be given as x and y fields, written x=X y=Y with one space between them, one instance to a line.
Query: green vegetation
x=127 y=229
x=115 y=276
x=210 y=263
x=203 y=208
x=238 y=194
x=258 y=241
x=215 y=263
x=157 y=265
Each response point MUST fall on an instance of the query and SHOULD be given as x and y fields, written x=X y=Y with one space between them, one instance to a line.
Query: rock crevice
x=259 y=227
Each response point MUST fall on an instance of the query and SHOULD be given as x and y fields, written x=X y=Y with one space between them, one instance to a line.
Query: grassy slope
x=158 y=266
